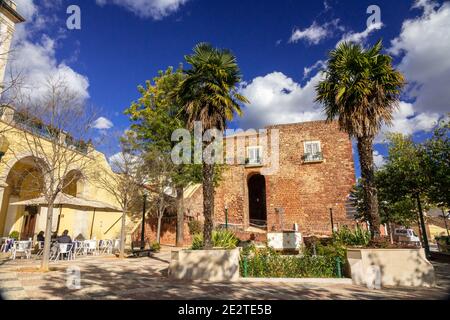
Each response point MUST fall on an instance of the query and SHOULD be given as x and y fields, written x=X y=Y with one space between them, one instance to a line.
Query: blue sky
x=280 y=46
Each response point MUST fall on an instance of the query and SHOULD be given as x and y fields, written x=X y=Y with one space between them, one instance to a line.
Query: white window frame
x=260 y=153
x=306 y=153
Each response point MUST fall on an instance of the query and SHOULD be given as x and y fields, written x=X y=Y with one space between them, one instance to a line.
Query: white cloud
x=360 y=37
x=124 y=162
x=408 y=122
x=427 y=5
x=27 y=8
x=378 y=159
x=277 y=99
x=103 y=123
x=424 y=48
x=315 y=33
x=307 y=70
x=35 y=60
x=156 y=9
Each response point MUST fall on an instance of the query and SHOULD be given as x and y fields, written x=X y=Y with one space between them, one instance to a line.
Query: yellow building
x=21 y=179
x=28 y=143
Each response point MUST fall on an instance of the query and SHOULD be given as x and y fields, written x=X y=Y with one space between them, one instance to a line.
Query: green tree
x=436 y=163
x=210 y=95
x=393 y=209
x=404 y=175
x=361 y=89
x=155 y=116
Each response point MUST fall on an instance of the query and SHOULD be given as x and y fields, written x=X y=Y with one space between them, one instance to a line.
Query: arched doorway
x=24 y=181
x=257 y=200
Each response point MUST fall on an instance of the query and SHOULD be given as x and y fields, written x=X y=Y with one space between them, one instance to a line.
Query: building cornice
x=6 y=4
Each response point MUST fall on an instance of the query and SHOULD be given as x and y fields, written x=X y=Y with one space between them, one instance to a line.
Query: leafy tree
x=436 y=164
x=393 y=209
x=155 y=116
x=404 y=176
x=158 y=171
x=361 y=89
x=210 y=95
x=125 y=183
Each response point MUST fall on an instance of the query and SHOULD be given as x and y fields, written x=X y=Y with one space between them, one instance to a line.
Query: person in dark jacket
x=41 y=237
x=65 y=238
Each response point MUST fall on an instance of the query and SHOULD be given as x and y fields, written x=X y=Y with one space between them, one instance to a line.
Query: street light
x=4 y=146
x=226 y=217
x=332 y=222
x=445 y=221
x=143 y=221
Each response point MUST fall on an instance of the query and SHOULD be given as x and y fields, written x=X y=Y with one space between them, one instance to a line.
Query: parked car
x=406 y=236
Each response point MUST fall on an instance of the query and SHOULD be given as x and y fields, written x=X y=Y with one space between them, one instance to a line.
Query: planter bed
x=342 y=281
x=397 y=267
x=208 y=265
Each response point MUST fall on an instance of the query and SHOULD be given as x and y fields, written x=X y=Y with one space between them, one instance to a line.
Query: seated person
x=40 y=236
x=65 y=238
x=80 y=237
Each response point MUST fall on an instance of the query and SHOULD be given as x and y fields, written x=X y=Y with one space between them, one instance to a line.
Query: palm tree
x=362 y=90
x=210 y=96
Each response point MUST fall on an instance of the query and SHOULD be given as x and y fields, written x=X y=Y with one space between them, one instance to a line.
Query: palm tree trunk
x=365 y=150
x=180 y=217
x=48 y=239
x=208 y=203
x=122 y=235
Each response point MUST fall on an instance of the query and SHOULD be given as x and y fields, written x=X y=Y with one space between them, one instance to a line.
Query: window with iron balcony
x=313 y=152
x=254 y=156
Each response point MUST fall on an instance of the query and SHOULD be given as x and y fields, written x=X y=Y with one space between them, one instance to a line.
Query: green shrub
x=348 y=237
x=220 y=239
x=15 y=235
x=195 y=227
x=155 y=246
x=267 y=263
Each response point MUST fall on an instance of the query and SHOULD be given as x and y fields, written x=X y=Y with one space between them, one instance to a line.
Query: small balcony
x=256 y=162
x=313 y=157
x=38 y=128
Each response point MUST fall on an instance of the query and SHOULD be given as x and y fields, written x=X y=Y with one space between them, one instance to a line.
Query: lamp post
x=4 y=146
x=143 y=222
x=445 y=221
x=226 y=217
x=332 y=222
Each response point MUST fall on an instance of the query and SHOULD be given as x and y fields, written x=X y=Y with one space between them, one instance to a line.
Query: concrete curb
x=299 y=280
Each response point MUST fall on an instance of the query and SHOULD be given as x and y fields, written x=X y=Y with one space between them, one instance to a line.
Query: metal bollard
x=245 y=267
x=338 y=267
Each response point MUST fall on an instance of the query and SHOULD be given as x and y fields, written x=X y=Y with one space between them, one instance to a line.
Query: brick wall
x=305 y=191
x=168 y=231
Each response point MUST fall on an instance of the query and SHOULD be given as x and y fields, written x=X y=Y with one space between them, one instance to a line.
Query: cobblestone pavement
x=145 y=278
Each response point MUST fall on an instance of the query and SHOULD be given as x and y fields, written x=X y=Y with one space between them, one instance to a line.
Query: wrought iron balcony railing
x=38 y=128
x=253 y=162
x=313 y=157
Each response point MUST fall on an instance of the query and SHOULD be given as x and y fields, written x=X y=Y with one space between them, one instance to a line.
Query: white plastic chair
x=78 y=248
x=21 y=247
x=90 y=247
x=40 y=248
x=4 y=244
x=105 y=247
x=116 y=246
x=64 y=249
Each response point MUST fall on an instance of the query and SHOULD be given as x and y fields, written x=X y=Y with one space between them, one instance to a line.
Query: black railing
x=253 y=162
x=313 y=157
x=36 y=127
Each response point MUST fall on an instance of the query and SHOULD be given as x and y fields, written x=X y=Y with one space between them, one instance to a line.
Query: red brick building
x=315 y=174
